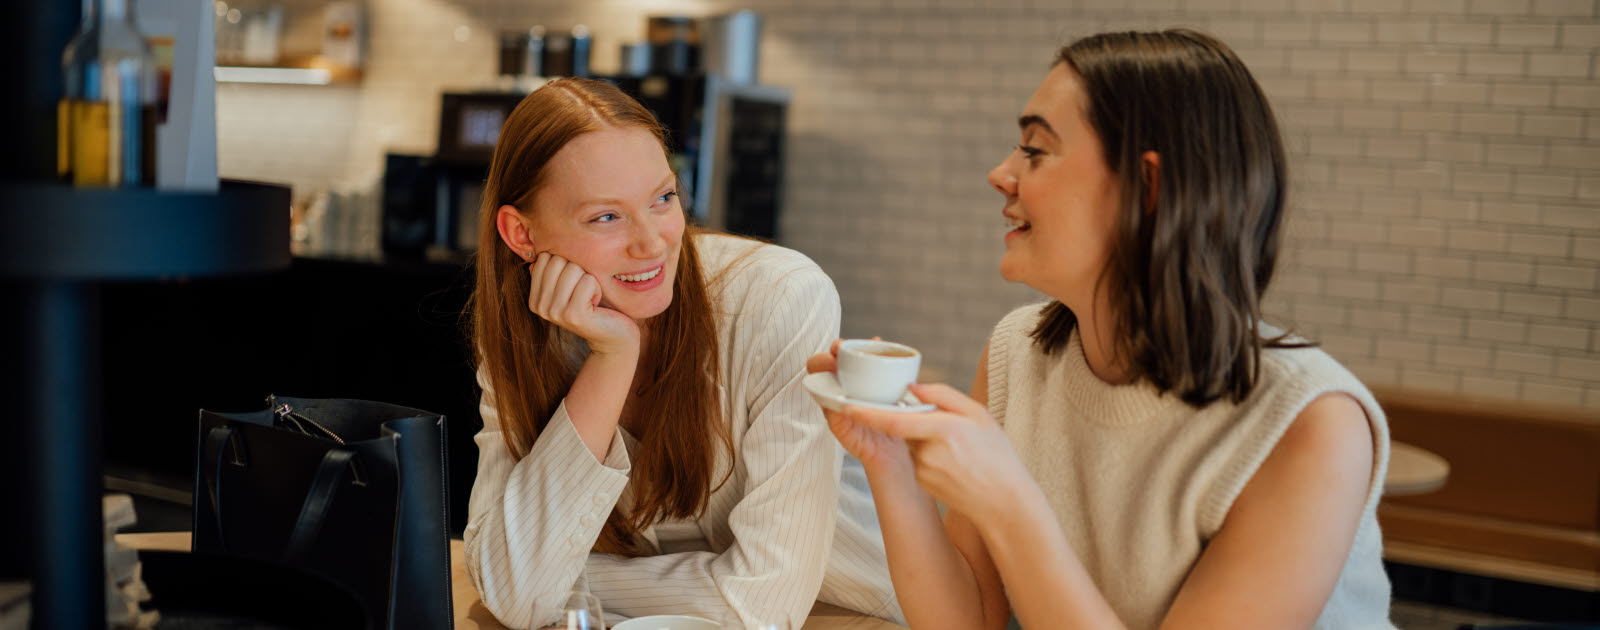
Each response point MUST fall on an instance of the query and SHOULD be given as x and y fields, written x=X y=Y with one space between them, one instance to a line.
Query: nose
x=646 y=241
x=1001 y=179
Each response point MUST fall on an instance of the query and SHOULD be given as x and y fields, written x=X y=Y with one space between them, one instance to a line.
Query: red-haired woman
x=646 y=435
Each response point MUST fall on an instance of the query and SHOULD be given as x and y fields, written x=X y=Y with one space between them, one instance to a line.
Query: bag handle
x=217 y=441
x=332 y=473
x=336 y=467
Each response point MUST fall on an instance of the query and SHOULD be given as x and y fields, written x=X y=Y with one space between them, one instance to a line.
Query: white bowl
x=667 y=622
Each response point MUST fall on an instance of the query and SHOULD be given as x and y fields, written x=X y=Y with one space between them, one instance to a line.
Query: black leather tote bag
x=350 y=489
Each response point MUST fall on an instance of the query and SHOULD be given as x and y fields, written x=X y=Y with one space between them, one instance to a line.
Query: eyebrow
x=617 y=202
x=1035 y=120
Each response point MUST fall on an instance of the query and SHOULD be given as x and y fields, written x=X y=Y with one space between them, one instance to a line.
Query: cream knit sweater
x=1140 y=481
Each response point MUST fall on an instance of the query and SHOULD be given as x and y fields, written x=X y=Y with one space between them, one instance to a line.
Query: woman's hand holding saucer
x=875 y=450
x=567 y=296
x=962 y=456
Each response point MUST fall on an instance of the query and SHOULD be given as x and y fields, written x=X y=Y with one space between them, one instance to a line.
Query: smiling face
x=609 y=203
x=1061 y=199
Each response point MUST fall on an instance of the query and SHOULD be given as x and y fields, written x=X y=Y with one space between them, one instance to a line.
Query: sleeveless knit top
x=1141 y=481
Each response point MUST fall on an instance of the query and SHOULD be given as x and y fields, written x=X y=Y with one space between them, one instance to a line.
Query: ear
x=1150 y=174
x=514 y=231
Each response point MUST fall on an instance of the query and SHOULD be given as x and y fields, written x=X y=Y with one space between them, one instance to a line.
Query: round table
x=1414 y=471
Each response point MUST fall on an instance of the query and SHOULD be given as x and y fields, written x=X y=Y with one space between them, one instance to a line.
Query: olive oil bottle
x=107 y=118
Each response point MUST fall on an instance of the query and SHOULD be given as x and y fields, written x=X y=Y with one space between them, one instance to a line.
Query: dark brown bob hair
x=1195 y=260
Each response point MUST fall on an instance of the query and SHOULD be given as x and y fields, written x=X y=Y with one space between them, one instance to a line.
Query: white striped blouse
x=793 y=524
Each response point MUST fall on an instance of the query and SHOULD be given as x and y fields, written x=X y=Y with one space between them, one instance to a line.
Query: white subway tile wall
x=1445 y=223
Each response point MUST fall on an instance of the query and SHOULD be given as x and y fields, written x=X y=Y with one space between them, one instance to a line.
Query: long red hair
x=522 y=354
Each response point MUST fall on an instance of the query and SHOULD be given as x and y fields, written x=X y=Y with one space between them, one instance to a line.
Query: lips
x=1018 y=226
x=638 y=277
x=642 y=280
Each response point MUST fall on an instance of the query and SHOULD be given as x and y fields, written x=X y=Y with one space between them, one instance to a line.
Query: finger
x=949 y=399
x=900 y=424
x=821 y=362
x=549 y=278
x=833 y=350
x=845 y=433
x=566 y=284
x=587 y=293
x=536 y=282
x=836 y=422
x=848 y=433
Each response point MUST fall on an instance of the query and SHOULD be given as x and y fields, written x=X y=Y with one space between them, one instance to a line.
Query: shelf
x=288 y=76
x=54 y=232
x=294 y=70
x=279 y=75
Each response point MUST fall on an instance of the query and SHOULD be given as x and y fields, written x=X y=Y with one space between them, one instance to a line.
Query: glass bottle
x=107 y=118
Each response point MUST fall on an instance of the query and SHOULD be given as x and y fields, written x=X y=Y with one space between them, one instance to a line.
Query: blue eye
x=603 y=218
x=667 y=197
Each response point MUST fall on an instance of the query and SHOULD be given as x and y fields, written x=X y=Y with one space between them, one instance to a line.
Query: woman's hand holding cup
x=958 y=454
x=876 y=451
x=567 y=296
x=961 y=455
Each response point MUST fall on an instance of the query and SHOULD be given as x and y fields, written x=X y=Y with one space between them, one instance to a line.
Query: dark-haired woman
x=1141 y=451
x=646 y=436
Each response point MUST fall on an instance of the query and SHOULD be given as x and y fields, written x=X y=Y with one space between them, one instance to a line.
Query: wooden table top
x=472 y=615
x=1411 y=471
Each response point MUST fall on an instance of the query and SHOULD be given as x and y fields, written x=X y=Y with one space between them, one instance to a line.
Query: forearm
x=597 y=396
x=782 y=531
x=512 y=563
x=725 y=588
x=531 y=522
x=1047 y=585
x=934 y=583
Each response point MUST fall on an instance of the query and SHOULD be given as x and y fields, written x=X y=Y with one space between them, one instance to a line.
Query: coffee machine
x=727 y=142
x=726 y=136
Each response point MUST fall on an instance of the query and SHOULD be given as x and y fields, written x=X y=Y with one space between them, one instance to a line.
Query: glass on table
x=580 y=610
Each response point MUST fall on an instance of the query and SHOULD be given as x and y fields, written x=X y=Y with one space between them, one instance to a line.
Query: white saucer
x=667 y=622
x=824 y=386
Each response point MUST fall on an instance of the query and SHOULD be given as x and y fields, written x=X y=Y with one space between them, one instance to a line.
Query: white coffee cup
x=877 y=371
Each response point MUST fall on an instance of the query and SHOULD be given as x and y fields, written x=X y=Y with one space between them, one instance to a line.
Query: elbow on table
x=497 y=599
x=470 y=556
x=504 y=605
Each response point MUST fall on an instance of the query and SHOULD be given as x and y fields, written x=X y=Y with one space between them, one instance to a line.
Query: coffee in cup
x=877 y=371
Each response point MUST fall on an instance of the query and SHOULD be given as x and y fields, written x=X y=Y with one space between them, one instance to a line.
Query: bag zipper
x=287 y=415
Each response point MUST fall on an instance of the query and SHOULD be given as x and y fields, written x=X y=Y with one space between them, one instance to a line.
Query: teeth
x=1016 y=223
x=638 y=277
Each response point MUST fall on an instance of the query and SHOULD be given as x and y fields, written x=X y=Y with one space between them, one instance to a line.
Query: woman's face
x=1060 y=197
x=610 y=204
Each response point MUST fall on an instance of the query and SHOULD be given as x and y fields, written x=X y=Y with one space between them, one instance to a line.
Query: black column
x=53 y=479
x=60 y=417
